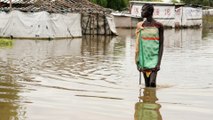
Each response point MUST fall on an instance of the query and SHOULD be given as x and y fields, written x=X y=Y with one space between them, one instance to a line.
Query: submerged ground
x=95 y=78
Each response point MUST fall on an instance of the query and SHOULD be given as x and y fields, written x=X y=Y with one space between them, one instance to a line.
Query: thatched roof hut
x=55 y=6
x=92 y=18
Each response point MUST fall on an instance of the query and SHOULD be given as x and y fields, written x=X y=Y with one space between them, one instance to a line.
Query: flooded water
x=95 y=78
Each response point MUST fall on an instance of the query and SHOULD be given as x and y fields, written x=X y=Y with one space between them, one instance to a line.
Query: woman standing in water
x=149 y=46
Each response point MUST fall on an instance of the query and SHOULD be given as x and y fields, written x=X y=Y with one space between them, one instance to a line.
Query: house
x=163 y=12
x=208 y=12
x=54 y=19
x=188 y=16
x=169 y=14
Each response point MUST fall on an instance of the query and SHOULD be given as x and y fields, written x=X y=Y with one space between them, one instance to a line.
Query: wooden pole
x=90 y=24
x=86 y=25
x=93 y=25
x=105 y=31
x=97 y=24
x=82 y=23
x=139 y=78
x=10 y=4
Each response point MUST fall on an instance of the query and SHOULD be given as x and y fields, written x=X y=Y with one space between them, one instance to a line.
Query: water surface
x=95 y=78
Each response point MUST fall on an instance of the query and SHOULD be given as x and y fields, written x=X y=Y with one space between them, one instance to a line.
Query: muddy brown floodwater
x=95 y=78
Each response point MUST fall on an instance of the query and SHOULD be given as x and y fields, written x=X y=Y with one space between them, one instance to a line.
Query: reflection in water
x=182 y=38
x=95 y=45
x=93 y=63
x=148 y=109
x=10 y=107
x=102 y=45
x=95 y=76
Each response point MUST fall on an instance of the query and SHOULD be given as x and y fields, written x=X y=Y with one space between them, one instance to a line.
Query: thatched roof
x=54 y=6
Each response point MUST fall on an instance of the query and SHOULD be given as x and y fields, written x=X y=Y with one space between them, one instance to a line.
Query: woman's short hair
x=149 y=7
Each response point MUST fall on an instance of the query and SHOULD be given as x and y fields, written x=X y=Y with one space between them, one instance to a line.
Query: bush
x=113 y=4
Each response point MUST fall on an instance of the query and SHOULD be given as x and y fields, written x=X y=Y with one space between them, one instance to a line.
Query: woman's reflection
x=147 y=108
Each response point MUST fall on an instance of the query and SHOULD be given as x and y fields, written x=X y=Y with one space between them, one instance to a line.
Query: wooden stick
x=139 y=78
x=97 y=24
x=10 y=4
x=105 y=31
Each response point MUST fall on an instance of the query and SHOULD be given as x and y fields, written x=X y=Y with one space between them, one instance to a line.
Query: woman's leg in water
x=147 y=79
x=152 y=77
x=150 y=80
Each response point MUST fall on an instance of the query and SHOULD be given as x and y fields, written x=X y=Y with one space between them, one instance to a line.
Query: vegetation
x=199 y=2
x=174 y=1
x=6 y=43
x=100 y=2
x=151 y=0
x=116 y=4
x=113 y=4
x=122 y=4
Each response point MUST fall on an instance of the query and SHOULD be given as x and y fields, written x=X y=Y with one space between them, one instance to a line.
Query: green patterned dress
x=148 y=48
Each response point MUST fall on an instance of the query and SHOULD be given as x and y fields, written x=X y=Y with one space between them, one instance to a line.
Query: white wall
x=208 y=12
x=159 y=11
x=163 y=14
x=188 y=16
x=39 y=25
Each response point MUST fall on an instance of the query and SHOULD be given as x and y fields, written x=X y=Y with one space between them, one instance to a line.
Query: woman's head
x=147 y=10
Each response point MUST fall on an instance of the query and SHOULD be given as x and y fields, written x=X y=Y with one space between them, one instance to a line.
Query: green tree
x=199 y=2
x=117 y=4
x=174 y=1
x=93 y=1
x=113 y=4
x=151 y=0
x=102 y=2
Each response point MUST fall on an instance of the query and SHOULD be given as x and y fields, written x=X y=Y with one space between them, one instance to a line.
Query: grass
x=6 y=43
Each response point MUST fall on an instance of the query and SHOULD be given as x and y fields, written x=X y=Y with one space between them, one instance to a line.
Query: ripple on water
x=83 y=78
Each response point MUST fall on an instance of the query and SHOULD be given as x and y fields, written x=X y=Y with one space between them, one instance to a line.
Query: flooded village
x=75 y=60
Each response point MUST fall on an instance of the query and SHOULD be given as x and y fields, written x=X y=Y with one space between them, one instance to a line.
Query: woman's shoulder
x=140 y=24
x=139 y=27
x=158 y=24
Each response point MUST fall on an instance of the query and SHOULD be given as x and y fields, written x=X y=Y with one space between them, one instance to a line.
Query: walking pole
x=139 y=78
